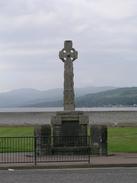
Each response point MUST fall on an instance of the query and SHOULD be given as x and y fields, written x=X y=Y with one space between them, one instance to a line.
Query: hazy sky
x=33 y=31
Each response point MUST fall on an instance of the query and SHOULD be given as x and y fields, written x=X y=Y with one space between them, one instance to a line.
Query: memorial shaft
x=69 y=100
x=68 y=55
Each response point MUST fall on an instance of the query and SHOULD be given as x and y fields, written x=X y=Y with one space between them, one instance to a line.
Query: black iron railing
x=44 y=149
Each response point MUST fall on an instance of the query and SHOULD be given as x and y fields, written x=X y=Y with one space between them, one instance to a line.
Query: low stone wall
x=108 y=118
x=113 y=118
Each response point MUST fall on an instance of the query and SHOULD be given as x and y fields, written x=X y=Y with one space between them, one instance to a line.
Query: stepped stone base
x=69 y=129
x=43 y=139
x=70 y=133
x=99 y=139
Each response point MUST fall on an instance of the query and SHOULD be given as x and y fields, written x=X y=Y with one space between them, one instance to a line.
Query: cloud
x=117 y=9
x=32 y=33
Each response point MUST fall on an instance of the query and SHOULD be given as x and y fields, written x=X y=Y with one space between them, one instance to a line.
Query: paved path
x=116 y=160
x=111 y=175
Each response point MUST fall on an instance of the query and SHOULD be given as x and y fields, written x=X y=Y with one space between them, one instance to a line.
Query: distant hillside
x=116 y=97
x=31 y=97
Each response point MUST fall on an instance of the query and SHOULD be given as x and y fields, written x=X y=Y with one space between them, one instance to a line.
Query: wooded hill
x=116 y=97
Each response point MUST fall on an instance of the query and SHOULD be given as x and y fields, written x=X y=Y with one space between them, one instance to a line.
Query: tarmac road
x=99 y=175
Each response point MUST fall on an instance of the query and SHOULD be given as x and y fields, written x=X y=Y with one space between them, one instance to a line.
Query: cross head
x=68 y=52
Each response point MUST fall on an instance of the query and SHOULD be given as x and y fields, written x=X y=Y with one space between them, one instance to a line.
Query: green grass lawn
x=119 y=139
x=16 y=139
x=122 y=140
x=16 y=131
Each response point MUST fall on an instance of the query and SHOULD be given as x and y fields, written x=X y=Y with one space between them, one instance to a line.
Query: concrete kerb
x=21 y=167
x=67 y=166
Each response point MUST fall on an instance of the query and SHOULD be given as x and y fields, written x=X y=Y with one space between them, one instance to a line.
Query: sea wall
x=98 y=117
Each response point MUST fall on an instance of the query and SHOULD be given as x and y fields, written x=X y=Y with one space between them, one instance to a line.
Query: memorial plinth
x=70 y=125
x=69 y=128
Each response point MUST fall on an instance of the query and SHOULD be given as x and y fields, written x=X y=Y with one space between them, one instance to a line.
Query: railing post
x=89 y=149
x=35 y=150
x=89 y=155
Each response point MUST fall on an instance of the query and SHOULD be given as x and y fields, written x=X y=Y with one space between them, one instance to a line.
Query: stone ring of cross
x=64 y=55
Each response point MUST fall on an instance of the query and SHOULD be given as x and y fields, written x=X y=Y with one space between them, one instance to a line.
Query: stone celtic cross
x=68 y=54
